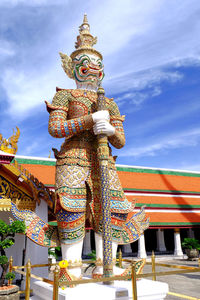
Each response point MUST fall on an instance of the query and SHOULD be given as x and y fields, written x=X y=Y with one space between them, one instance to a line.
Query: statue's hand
x=103 y=127
x=101 y=115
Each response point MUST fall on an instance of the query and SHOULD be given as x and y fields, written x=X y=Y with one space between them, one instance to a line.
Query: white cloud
x=27 y=91
x=166 y=118
x=10 y=3
x=187 y=139
x=147 y=80
x=137 y=40
x=189 y=167
x=6 y=49
x=31 y=148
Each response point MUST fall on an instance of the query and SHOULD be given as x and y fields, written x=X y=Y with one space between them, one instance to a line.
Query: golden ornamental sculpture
x=10 y=145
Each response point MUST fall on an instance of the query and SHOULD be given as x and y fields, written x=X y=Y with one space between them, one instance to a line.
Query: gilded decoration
x=38 y=188
x=5 y=204
x=10 y=191
x=39 y=191
x=10 y=145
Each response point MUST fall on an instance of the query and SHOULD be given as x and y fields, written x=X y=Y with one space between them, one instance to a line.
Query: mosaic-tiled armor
x=77 y=171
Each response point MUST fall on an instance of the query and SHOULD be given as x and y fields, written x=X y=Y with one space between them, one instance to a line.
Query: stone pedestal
x=141 y=247
x=9 y=292
x=177 y=243
x=121 y=290
x=160 y=240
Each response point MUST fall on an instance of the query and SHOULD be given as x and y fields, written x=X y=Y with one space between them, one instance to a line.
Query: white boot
x=73 y=254
x=98 y=271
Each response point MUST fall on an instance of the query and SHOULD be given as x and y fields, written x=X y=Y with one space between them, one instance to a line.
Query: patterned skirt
x=78 y=201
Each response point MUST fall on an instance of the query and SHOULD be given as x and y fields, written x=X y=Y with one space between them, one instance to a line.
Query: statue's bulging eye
x=85 y=62
x=99 y=64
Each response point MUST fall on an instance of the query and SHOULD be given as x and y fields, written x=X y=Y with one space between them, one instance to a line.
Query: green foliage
x=3 y=227
x=3 y=260
x=18 y=227
x=191 y=243
x=7 y=243
x=10 y=276
x=7 y=233
x=55 y=253
x=92 y=256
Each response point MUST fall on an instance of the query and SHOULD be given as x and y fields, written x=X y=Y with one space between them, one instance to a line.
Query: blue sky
x=151 y=52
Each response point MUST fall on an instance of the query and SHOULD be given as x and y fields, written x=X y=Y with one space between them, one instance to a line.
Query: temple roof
x=172 y=197
x=6 y=158
x=133 y=178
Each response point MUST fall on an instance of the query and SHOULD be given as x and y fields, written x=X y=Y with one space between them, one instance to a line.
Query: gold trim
x=16 y=195
x=74 y=264
x=5 y=204
x=86 y=50
x=10 y=145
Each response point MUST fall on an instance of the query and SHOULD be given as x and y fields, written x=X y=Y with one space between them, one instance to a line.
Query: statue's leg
x=72 y=253
x=71 y=229
x=70 y=214
x=99 y=256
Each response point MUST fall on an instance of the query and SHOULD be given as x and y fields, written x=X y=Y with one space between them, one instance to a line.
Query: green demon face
x=88 y=69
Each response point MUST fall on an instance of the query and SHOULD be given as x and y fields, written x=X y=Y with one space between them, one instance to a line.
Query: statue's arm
x=59 y=126
x=116 y=120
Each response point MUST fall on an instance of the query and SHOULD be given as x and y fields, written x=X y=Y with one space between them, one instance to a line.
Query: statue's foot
x=66 y=276
x=98 y=272
x=139 y=265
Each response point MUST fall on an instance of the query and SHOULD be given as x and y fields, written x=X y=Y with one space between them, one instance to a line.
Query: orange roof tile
x=170 y=201
x=175 y=218
x=148 y=181
x=45 y=174
x=132 y=178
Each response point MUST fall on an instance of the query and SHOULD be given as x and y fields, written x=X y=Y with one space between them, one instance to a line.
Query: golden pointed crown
x=84 y=44
x=85 y=40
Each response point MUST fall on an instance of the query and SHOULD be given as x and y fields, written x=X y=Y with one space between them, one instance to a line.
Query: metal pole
x=10 y=268
x=28 y=280
x=103 y=156
x=153 y=266
x=56 y=283
x=120 y=258
x=134 y=285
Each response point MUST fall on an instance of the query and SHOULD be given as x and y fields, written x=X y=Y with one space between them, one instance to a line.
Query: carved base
x=9 y=292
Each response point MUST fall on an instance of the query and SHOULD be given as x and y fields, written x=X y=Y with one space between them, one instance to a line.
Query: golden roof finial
x=10 y=145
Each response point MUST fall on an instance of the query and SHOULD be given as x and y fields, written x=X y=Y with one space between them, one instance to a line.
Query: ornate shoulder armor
x=114 y=112
x=60 y=101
